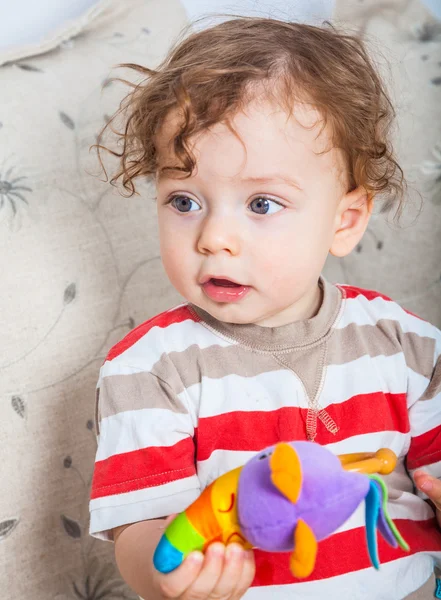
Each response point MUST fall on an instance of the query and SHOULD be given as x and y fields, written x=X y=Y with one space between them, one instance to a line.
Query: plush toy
x=286 y=498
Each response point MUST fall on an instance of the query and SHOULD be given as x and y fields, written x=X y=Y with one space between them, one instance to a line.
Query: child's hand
x=431 y=486
x=224 y=573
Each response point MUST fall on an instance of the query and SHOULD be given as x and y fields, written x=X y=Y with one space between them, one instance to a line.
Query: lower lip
x=225 y=294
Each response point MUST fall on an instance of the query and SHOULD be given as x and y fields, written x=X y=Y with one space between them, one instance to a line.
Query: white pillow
x=434 y=6
x=307 y=11
x=30 y=27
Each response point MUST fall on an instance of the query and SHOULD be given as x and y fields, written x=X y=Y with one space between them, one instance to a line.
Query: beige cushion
x=79 y=267
x=404 y=262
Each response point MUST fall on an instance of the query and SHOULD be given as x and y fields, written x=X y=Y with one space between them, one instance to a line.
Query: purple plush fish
x=286 y=498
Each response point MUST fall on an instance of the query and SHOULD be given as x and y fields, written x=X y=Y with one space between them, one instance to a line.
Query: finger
x=430 y=486
x=175 y=584
x=209 y=575
x=231 y=573
x=247 y=575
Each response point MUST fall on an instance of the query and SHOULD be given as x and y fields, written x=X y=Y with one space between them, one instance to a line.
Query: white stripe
x=282 y=388
x=417 y=385
x=409 y=506
x=425 y=415
x=394 y=581
x=151 y=493
x=370 y=442
x=365 y=375
x=141 y=505
x=222 y=461
x=362 y=311
x=144 y=353
x=219 y=463
x=399 y=480
x=264 y=392
x=134 y=429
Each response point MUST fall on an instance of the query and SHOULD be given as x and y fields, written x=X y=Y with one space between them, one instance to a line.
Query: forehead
x=262 y=138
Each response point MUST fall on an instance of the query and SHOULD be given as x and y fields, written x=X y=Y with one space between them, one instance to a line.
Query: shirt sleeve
x=145 y=462
x=424 y=398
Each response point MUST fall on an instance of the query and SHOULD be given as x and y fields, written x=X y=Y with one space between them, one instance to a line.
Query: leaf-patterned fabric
x=80 y=265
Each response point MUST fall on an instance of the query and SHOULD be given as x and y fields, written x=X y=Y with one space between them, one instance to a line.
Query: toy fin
x=377 y=517
x=372 y=511
x=385 y=521
x=286 y=472
x=302 y=560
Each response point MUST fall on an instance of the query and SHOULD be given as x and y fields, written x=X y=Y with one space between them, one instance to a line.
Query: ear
x=352 y=218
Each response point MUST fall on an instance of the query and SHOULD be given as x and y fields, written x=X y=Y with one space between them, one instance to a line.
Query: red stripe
x=425 y=449
x=254 y=430
x=346 y=552
x=143 y=468
x=351 y=291
x=163 y=320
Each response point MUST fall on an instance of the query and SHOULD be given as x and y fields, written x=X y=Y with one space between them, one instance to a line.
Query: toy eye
x=262 y=456
x=230 y=508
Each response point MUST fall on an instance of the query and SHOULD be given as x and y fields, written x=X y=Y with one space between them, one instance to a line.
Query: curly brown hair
x=211 y=75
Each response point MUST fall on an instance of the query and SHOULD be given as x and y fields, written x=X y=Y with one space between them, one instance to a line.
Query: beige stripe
x=344 y=345
x=177 y=371
x=216 y=362
x=350 y=343
x=426 y=592
x=385 y=338
x=148 y=389
x=434 y=387
x=119 y=393
x=308 y=366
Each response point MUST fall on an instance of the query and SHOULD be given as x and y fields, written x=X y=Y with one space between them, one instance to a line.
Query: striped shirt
x=183 y=398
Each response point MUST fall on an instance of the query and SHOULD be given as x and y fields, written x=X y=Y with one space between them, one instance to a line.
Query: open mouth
x=221 y=289
x=224 y=283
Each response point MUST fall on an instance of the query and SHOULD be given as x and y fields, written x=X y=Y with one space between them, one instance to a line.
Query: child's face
x=264 y=219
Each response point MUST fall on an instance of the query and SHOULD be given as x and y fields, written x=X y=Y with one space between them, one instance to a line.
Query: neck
x=304 y=309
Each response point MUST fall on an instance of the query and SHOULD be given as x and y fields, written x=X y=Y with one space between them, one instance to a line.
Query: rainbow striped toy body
x=286 y=498
x=212 y=517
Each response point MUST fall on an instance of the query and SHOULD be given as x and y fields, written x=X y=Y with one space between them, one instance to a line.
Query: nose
x=219 y=234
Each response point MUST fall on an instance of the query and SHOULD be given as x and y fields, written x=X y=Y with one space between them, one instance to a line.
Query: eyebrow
x=162 y=174
x=276 y=178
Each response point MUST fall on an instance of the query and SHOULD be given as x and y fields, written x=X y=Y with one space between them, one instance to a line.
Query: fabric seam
x=104 y=487
x=277 y=350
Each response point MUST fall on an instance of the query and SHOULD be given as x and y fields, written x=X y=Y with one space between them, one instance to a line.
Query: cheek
x=171 y=239
x=295 y=252
x=177 y=257
x=174 y=262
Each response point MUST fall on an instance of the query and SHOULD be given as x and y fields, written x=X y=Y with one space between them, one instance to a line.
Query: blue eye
x=264 y=206
x=184 y=204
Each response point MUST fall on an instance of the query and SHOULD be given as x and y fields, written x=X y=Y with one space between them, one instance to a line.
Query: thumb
x=430 y=486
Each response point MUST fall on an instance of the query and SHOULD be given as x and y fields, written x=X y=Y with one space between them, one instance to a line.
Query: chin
x=229 y=313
